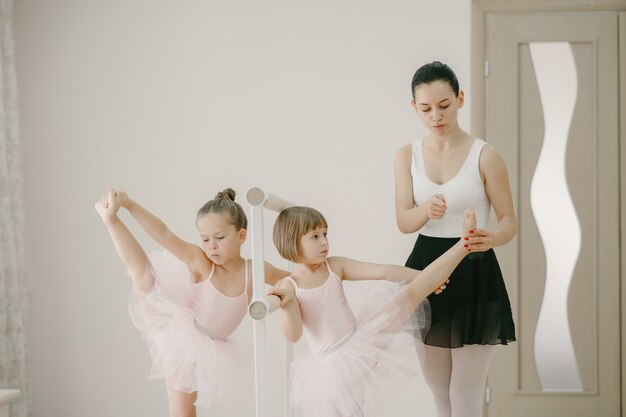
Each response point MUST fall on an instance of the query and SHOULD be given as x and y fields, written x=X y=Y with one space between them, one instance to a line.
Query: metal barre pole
x=258 y=280
x=258 y=197
x=287 y=359
x=258 y=309
x=261 y=305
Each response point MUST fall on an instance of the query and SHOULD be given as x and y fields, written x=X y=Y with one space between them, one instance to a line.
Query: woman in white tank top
x=437 y=178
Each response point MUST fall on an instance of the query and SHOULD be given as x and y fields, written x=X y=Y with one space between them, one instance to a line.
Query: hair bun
x=228 y=193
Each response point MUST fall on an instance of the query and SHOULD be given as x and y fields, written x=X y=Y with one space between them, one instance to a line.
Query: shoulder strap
x=474 y=154
x=330 y=271
x=245 y=275
x=292 y=281
x=418 y=163
x=212 y=271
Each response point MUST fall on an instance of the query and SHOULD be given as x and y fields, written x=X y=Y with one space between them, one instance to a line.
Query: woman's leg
x=470 y=365
x=436 y=365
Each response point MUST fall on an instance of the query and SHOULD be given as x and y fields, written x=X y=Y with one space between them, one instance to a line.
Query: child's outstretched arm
x=291 y=317
x=352 y=270
x=157 y=230
x=128 y=249
x=273 y=274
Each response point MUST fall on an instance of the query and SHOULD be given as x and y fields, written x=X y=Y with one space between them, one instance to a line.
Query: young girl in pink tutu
x=187 y=300
x=355 y=360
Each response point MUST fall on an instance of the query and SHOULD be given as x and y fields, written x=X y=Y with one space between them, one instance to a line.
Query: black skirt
x=474 y=309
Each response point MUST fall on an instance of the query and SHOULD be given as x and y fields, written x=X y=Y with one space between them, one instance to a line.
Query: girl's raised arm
x=157 y=230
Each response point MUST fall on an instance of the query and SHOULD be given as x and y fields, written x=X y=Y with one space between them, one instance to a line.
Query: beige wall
x=172 y=101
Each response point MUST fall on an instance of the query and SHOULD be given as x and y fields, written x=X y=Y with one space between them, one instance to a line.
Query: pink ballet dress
x=357 y=363
x=187 y=327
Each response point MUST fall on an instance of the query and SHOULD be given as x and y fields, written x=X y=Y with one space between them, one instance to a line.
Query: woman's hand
x=437 y=207
x=480 y=240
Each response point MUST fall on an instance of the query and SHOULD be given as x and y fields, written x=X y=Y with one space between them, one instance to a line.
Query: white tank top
x=465 y=190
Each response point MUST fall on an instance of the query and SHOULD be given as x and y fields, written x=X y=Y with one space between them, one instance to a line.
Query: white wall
x=173 y=101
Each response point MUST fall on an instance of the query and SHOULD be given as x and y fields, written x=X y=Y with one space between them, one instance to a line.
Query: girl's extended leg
x=127 y=247
x=181 y=404
x=470 y=365
x=436 y=363
x=438 y=271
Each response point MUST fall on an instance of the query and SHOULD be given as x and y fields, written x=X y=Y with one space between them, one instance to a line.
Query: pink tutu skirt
x=366 y=371
x=191 y=360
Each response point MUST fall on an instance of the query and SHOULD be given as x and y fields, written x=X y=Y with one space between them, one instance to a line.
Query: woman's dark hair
x=434 y=71
x=224 y=203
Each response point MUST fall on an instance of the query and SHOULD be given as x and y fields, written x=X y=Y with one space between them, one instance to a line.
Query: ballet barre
x=6 y=395
x=260 y=308
x=262 y=305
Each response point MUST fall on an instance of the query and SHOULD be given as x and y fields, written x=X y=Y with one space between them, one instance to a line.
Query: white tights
x=456 y=377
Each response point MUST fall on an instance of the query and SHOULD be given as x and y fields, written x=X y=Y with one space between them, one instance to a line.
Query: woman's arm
x=496 y=178
x=409 y=217
x=291 y=317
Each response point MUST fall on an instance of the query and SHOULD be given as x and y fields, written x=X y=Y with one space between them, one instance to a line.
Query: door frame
x=622 y=198
x=479 y=8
